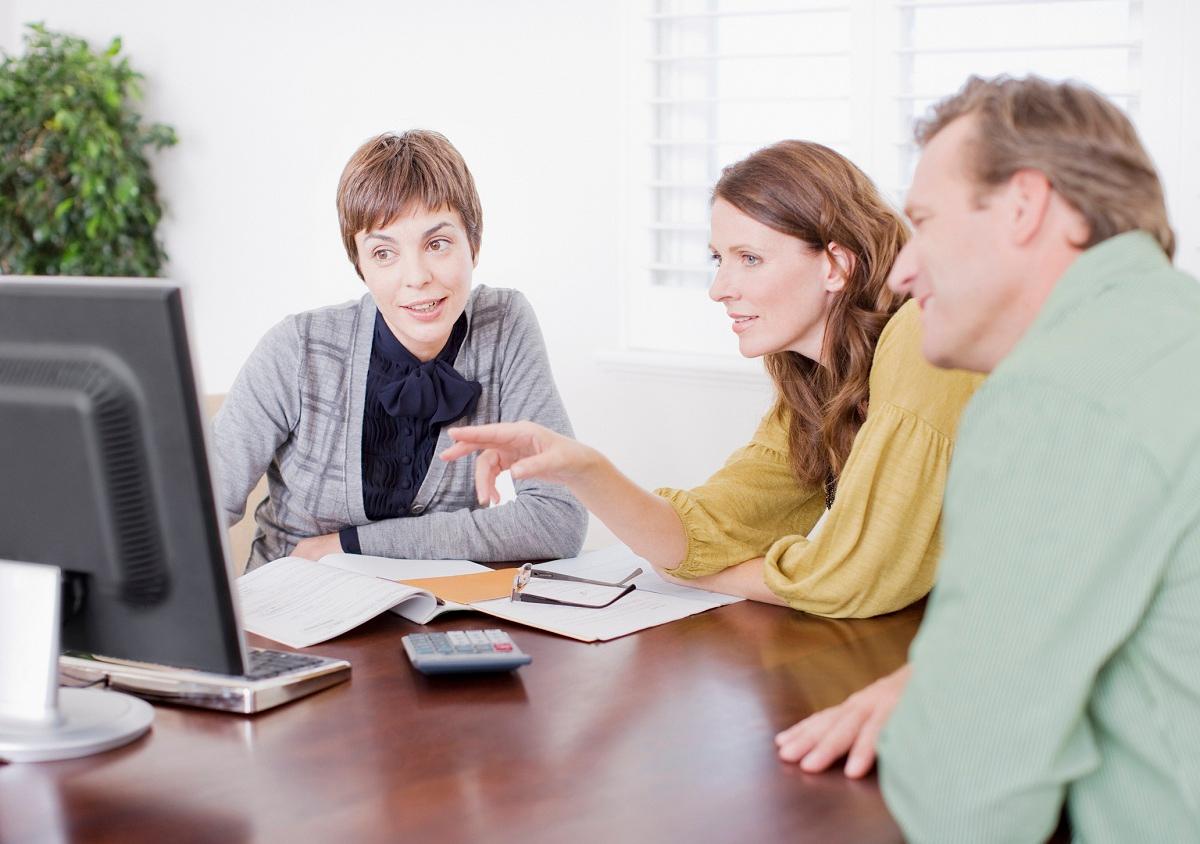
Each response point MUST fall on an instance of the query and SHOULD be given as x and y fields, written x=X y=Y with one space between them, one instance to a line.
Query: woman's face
x=774 y=287
x=418 y=269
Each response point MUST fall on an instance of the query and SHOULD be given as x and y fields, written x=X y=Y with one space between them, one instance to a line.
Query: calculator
x=465 y=651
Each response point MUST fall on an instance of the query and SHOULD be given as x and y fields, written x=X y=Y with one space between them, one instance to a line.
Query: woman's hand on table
x=316 y=547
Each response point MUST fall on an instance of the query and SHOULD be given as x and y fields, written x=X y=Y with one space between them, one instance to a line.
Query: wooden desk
x=661 y=736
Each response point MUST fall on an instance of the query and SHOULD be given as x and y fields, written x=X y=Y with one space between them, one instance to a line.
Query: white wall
x=9 y=37
x=270 y=98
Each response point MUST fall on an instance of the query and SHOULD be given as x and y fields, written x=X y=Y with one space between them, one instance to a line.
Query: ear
x=841 y=265
x=475 y=259
x=1030 y=192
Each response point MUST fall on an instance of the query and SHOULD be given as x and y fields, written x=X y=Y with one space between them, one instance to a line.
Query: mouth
x=426 y=309
x=741 y=322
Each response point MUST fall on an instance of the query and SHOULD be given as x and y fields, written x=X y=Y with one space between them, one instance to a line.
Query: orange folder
x=468 y=588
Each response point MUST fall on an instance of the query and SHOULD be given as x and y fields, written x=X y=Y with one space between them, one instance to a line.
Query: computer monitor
x=109 y=533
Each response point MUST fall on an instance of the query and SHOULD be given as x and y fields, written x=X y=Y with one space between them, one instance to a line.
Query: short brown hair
x=1086 y=147
x=816 y=195
x=390 y=171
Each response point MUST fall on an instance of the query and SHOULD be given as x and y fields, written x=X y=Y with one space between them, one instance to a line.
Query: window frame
x=665 y=327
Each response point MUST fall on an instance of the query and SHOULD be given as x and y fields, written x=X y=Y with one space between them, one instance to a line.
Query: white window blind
x=721 y=78
x=942 y=42
x=726 y=79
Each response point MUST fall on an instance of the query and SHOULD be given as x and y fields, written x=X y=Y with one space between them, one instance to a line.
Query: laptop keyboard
x=272 y=678
x=264 y=664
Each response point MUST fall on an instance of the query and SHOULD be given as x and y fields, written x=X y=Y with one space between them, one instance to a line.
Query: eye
x=439 y=245
x=715 y=258
x=382 y=254
x=750 y=260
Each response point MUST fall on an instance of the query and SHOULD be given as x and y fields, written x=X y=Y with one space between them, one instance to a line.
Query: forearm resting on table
x=744 y=579
x=651 y=527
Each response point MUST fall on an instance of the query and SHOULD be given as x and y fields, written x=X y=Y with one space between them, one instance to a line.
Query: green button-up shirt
x=1059 y=658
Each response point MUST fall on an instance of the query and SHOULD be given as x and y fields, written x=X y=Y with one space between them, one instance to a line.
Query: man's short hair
x=1086 y=147
x=389 y=172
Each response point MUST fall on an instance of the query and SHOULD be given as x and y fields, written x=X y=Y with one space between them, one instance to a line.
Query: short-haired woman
x=343 y=407
x=861 y=432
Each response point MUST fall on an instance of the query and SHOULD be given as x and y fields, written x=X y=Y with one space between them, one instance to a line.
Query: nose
x=415 y=271
x=904 y=271
x=720 y=289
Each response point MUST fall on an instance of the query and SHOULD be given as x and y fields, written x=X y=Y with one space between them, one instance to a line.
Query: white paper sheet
x=572 y=592
x=616 y=561
x=298 y=602
x=390 y=569
x=654 y=601
x=636 y=611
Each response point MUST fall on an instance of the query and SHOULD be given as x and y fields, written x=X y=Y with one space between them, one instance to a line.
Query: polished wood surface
x=660 y=736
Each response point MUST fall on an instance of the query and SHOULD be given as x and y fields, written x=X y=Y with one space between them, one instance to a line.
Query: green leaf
x=76 y=191
x=125 y=190
x=112 y=95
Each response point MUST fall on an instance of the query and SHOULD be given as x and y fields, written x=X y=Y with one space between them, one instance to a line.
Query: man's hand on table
x=853 y=727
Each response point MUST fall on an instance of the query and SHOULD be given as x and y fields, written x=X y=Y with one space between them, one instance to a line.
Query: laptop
x=273 y=678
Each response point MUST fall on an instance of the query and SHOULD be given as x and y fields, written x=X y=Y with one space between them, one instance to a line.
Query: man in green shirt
x=1059 y=659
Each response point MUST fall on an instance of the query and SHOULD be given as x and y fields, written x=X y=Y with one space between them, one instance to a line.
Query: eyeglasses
x=527 y=572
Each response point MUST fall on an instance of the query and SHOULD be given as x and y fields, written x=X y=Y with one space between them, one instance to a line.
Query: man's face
x=959 y=264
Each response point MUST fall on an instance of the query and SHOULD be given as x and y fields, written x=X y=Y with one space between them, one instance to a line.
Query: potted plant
x=76 y=193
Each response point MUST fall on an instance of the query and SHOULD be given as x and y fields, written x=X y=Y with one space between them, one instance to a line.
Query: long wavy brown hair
x=812 y=193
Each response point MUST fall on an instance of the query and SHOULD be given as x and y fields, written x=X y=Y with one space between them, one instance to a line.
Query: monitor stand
x=38 y=720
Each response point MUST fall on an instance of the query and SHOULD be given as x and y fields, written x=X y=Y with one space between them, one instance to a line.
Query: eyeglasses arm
x=525 y=598
x=554 y=575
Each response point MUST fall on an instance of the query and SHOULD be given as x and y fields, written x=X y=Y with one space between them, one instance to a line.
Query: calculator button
x=469 y=651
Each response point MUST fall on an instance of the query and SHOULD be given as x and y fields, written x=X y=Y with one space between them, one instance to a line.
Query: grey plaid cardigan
x=295 y=412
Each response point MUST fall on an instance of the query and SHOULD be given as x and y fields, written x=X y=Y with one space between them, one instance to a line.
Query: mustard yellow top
x=878 y=548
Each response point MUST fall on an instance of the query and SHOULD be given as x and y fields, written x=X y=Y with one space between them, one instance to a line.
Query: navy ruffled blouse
x=407 y=404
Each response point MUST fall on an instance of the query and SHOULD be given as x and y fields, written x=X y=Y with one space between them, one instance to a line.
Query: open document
x=299 y=602
x=654 y=601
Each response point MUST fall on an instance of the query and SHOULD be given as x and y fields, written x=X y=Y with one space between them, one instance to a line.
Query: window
x=714 y=80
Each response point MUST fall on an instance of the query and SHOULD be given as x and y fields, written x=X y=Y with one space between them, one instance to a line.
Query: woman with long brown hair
x=833 y=507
